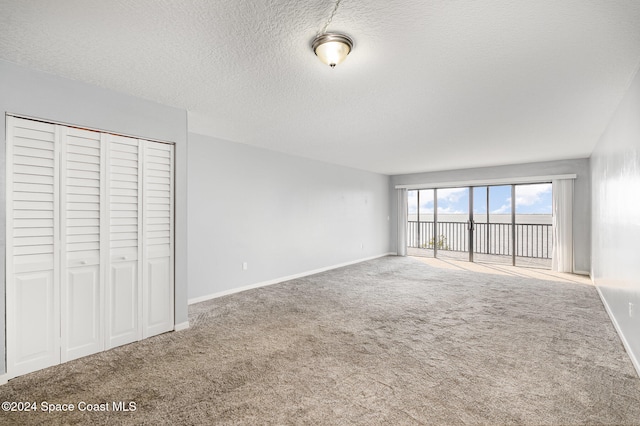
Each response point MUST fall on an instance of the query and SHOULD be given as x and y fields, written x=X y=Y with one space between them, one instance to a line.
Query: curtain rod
x=487 y=182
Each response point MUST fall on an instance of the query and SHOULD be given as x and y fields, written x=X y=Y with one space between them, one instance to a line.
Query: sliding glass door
x=420 y=227
x=533 y=225
x=480 y=224
x=506 y=224
x=493 y=230
x=453 y=223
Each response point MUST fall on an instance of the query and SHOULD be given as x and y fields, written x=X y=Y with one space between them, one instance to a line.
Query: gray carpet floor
x=389 y=341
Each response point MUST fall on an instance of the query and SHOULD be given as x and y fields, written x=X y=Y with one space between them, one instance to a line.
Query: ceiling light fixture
x=331 y=48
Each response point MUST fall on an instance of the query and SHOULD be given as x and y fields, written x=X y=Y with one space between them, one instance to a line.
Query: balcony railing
x=532 y=240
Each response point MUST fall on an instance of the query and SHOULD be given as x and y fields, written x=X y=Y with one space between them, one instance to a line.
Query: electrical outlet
x=245 y=266
x=632 y=312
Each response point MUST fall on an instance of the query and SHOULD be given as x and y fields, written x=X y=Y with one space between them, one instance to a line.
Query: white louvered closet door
x=90 y=242
x=81 y=188
x=33 y=298
x=124 y=191
x=158 y=274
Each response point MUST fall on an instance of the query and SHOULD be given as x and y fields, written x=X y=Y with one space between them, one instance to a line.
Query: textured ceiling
x=430 y=84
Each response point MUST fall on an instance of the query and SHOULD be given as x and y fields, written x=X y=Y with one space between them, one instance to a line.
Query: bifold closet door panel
x=33 y=298
x=158 y=275
x=81 y=303
x=124 y=189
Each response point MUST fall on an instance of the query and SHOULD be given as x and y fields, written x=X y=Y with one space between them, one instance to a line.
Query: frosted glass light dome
x=332 y=48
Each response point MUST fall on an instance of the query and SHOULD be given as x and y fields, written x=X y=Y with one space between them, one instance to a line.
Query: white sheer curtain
x=402 y=222
x=562 y=255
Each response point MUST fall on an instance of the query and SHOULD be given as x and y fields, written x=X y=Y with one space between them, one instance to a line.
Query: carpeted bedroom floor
x=389 y=341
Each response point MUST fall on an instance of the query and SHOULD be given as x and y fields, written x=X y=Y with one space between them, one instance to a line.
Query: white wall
x=582 y=194
x=615 y=171
x=35 y=94
x=282 y=215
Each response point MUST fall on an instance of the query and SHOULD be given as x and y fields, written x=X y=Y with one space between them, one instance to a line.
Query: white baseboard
x=181 y=326
x=582 y=273
x=279 y=280
x=4 y=379
x=634 y=360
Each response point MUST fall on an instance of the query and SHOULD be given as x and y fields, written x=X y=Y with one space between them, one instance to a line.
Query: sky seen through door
x=530 y=199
